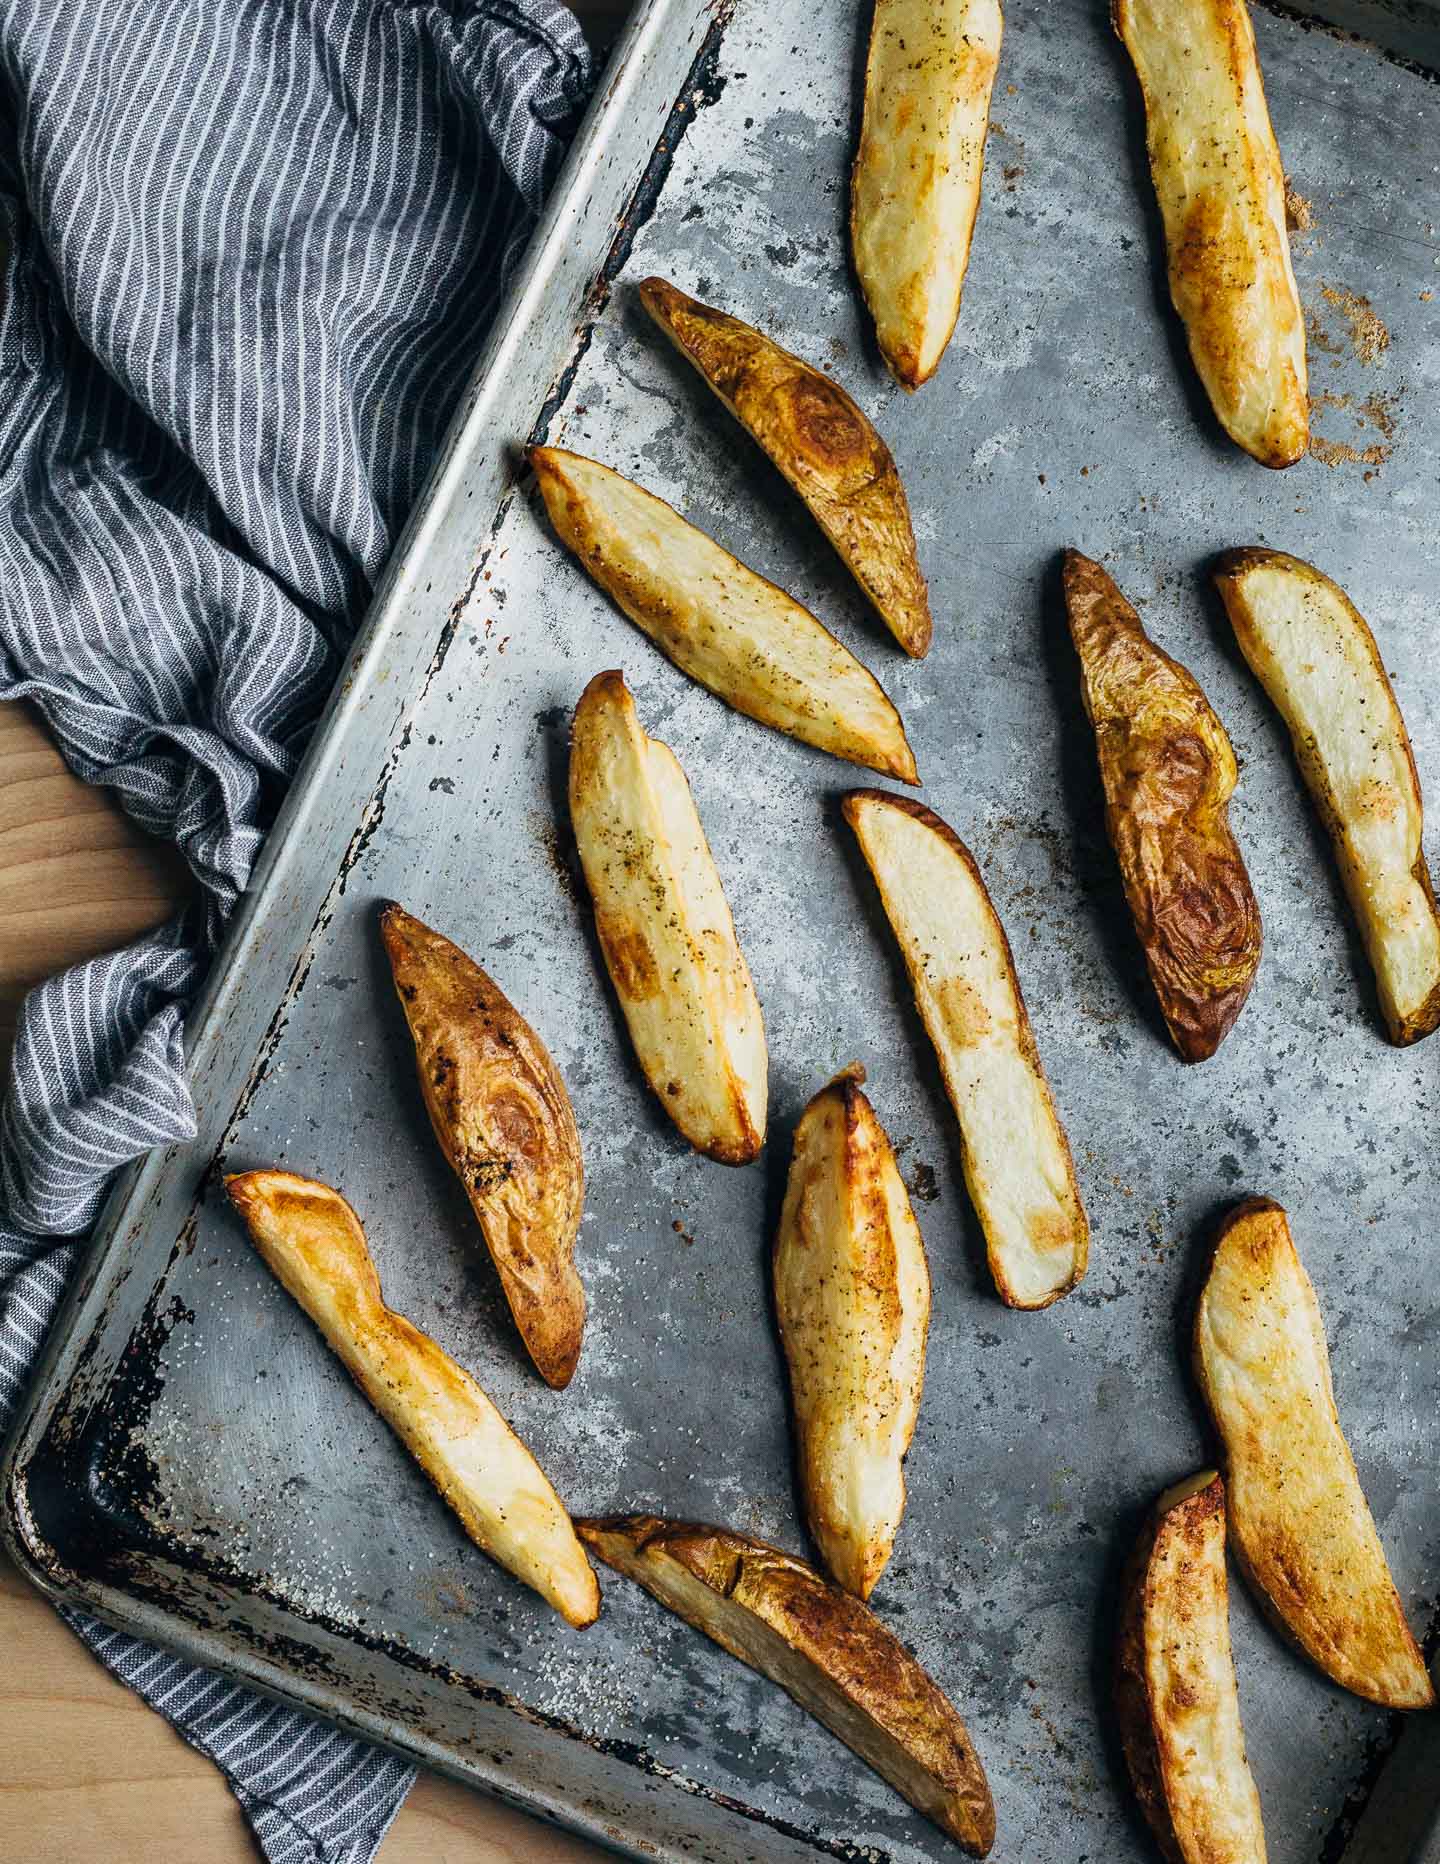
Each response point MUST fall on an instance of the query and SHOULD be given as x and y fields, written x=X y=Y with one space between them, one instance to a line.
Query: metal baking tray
x=194 y=1466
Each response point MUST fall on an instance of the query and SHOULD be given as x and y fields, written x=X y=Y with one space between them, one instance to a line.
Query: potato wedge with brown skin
x=1221 y=191
x=915 y=188
x=823 y=1647
x=852 y=1295
x=1299 y=1524
x=1018 y=1167
x=1169 y=773
x=747 y=641
x=1175 y=1691
x=665 y=928
x=314 y=1243
x=1309 y=647
x=817 y=437
x=504 y=1121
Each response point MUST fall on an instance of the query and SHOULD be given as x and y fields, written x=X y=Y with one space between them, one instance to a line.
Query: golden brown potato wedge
x=820 y=441
x=1018 y=1167
x=828 y=1651
x=740 y=636
x=852 y=1293
x=1299 y=1524
x=1169 y=773
x=1175 y=1692
x=1221 y=192
x=504 y=1121
x=312 y=1240
x=915 y=190
x=1310 y=649
x=665 y=928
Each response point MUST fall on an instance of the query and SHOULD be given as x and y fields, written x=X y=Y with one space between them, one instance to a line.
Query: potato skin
x=1169 y=773
x=825 y=1648
x=504 y=1121
x=819 y=439
x=1183 y=1740
x=1221 y=192
x=1299 y=1525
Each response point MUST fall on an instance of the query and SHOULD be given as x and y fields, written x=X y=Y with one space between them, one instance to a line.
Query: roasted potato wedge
x=1169 y=773
x=1175 y=1692
x=665 y=928
x=820 y=441
x=504 y=1121
x=852 y=1294
x=915 y=189
x=1310 y=649
x=1299 y=1524
x=1018 y=1167
x=313 y=1242
x=1221 y=192
x=740 y=636
x=828 y=1651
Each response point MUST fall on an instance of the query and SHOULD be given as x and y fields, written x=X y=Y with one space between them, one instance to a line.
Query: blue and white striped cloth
x=252 y=248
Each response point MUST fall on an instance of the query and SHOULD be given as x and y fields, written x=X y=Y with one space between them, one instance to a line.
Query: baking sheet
x=245 y=1489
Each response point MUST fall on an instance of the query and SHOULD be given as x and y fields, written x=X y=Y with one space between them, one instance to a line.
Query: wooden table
x=88 y=1773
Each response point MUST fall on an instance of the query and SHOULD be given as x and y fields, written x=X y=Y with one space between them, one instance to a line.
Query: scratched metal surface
x=265 y=1500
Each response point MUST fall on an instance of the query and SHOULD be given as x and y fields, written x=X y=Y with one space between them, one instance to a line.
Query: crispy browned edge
x=551 y=1325
x=849 y=804
x=1198 y=1022
x=1248 y=1207
x=831 y=425
x=1134 y=1710
x=540 y=460
x=239 y=1188
x=848 y=1088
x=1227 y=570
x=872 y=1667
x=1277 y=460
x=619 y=962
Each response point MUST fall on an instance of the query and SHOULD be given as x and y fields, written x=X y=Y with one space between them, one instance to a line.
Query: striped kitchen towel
x=251 y=248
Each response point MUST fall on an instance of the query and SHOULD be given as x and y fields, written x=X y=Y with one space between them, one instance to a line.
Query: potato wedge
x=852 y=1294
x=915 y=189
x=313 y=1242
x=820 y=441
x=1169 y=773
x=1310 y=649
x=824 y=1648
x=504 y=1122
x=665 y=928
x=1299 y=1524
x=1018 y=1167
x=1175 y=1692
x=738 y=635
x=1221 y=192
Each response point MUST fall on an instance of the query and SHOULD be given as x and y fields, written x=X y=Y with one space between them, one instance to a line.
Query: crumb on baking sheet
x=1375 y=412
x=1368 y=336
x=1299 y=213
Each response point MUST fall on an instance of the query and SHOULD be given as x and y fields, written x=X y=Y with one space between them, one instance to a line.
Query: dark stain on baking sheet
x=702 y=87
x=1374 y=24
x=96 y=1511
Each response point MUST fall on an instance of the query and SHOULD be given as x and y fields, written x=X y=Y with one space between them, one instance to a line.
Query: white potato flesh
x=740 y=636
x=1179 y=1703
x=1018 y=1167
x=313 y=1242
x=915 y=191
x=852 y=1294
x=1315 y=656
x=665 y=928
x=1299 y=1522
x=1221 y=192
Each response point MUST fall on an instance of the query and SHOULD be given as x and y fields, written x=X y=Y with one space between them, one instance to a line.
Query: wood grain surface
x=88 y=1773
